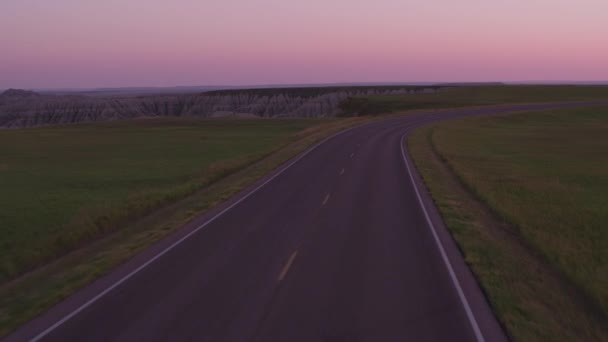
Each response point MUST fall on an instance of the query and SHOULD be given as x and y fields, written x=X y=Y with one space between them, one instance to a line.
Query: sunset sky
x=115 y=43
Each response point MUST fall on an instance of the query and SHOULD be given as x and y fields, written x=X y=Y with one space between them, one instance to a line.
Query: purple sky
x=114 y=43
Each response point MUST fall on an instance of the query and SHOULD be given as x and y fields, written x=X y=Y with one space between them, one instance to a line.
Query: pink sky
x=113 y=43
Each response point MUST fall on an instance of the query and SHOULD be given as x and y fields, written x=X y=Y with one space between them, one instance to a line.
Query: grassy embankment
x=453 y=97
x=91 y=193
x=525 y=196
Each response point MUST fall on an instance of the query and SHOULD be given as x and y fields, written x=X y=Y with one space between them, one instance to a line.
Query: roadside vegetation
x=525 y=197
x=460 y=96
x=91 y=196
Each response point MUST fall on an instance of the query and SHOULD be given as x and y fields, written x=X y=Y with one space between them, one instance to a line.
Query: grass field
x=542 y=253
x=452 y=97
x=64 y=185
x=242 y=152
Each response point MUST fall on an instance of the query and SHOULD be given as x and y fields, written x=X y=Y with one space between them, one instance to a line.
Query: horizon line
x=307 y=85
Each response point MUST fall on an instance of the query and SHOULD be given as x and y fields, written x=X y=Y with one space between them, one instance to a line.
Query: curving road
x=333 y=246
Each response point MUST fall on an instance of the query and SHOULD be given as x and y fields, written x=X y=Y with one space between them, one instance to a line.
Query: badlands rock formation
x=20 y=108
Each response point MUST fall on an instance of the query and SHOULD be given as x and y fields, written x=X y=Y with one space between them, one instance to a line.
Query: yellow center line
x=287 y=266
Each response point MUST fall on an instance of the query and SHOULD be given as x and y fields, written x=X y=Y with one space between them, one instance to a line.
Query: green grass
x=63 y=186
x=542 y=253
x=27 y=296
x=452 y=97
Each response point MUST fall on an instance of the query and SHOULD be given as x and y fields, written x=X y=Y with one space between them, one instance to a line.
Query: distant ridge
x=130 y=91
x=559 y=83
x=470 y=84
x=19 y=93
x=133 y=91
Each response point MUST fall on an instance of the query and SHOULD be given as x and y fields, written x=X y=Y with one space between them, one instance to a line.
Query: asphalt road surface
x=340 y=244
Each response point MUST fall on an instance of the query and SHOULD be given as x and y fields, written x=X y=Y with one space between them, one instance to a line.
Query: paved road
x=334 y=247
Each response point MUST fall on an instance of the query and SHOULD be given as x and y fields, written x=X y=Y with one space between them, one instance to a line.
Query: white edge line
x=444 y=255
x=176 y=243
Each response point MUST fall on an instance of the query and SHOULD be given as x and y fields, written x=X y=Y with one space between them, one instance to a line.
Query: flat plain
x=64 y=185
x=537 y=237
